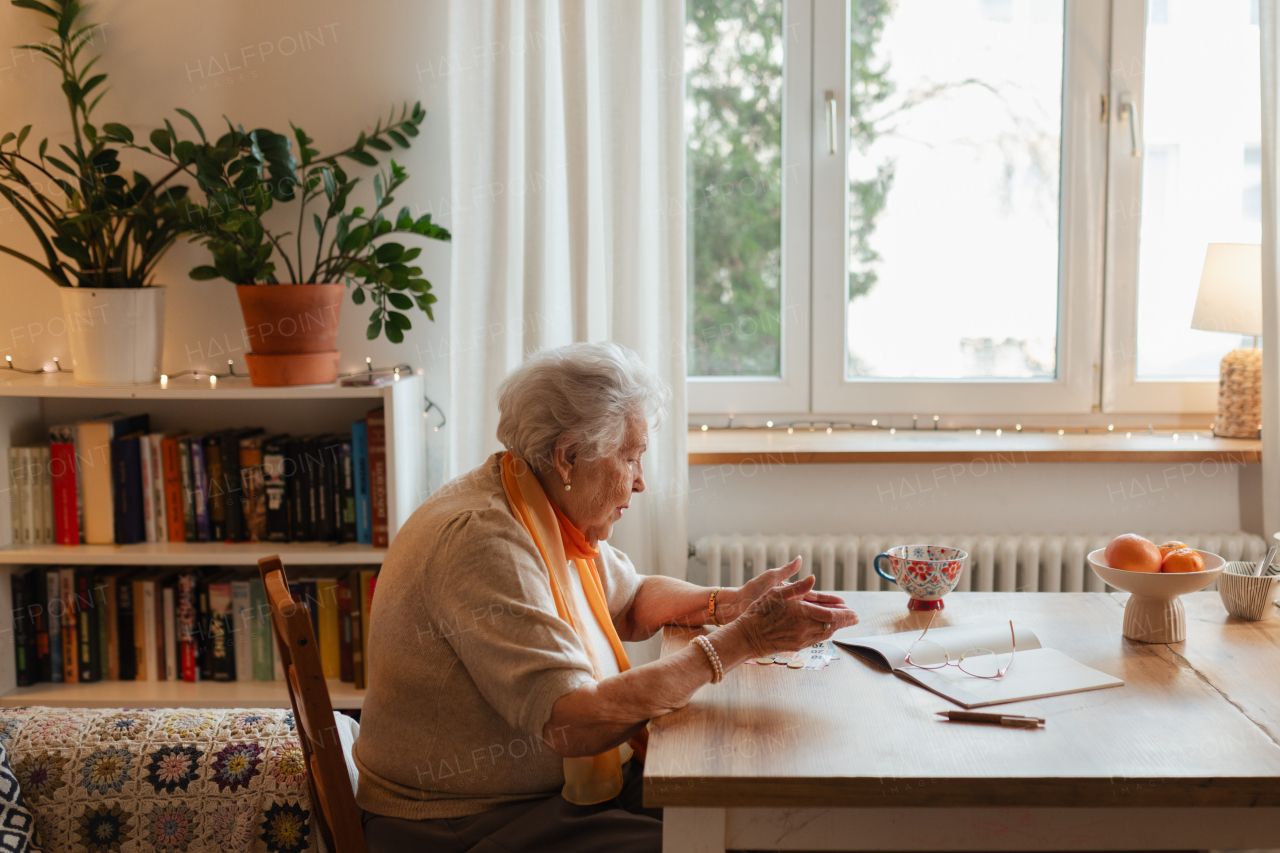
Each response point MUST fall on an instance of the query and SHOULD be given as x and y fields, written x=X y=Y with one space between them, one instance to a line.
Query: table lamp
x=1230 y=300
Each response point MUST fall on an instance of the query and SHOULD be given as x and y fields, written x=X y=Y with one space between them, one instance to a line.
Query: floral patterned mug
x=924 y=572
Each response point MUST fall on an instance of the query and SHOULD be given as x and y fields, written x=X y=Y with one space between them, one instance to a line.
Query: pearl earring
x=567 y=487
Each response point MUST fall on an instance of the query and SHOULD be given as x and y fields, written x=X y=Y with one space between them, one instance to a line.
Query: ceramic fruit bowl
x=1154 y=613
x=924 y=572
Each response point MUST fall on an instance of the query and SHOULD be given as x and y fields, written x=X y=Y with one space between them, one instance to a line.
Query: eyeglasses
x=978 y=662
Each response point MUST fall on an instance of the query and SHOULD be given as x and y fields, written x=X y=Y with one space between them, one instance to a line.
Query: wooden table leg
x=693 y=830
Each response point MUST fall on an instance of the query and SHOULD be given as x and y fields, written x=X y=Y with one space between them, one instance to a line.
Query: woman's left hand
x=732 y=603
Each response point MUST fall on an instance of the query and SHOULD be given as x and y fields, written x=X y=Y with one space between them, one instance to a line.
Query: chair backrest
x=333 y=802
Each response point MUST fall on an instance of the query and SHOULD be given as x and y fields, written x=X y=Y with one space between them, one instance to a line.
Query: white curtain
x=567 y=153
x=1269 y=23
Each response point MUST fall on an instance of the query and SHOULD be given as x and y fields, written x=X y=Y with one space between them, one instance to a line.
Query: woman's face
x=602 y=488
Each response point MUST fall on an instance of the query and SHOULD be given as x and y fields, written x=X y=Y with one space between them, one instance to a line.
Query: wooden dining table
x=1185 y=755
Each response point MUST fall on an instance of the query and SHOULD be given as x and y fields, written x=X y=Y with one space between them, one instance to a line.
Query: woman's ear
x=563 y=457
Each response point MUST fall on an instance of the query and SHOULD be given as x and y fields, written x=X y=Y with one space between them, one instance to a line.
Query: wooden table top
x=1196 y=723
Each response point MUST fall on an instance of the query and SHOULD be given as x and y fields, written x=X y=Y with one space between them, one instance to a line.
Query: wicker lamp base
x=1240 y=395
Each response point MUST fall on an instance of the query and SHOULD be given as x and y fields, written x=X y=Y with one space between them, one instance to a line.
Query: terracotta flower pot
x=292 y=331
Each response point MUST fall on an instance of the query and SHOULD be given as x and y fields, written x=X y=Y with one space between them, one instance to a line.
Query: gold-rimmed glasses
x=978 y=662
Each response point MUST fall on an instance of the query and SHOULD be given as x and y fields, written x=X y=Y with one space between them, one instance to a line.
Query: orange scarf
x=597 y=778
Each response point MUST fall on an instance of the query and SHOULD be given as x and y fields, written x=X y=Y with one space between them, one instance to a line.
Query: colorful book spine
x=357 y=632
x=15 y=495
x=345 y=672
x=93 y=448
x=70 y=640
x=255 y=497
x=62 y=472
x=261 y=625
x=105 y=600
x=87 y=626
x=215 y=487
x=24 y=660
x=171 y=471
x=274 y=453
x=40 y=598
x=168 y=601
x=54 y=611
x=145 y=464
x=126 y=468
x=41 y=517
x=125 y=646
x=242 y=629
x=159 y=503
x=188 y=482
x=347 y=497
x=328 y=637
x=188 y=625
x=220 y=647
x=26 y=496
x=378 y=477
x=199 y=491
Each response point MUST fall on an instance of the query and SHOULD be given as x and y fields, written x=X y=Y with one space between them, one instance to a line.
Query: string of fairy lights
x=369 y=376
x=924 y=425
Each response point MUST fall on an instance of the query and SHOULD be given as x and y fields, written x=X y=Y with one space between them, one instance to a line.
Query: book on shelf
x=22 y=588
x=221 y=622
x=187 y=484
x=377 y=439
x=65 y=489
x=146 y=474
x=274 y=453
x=360 y=472
x=87 y=619
x=175 y=507
x=187 y=625
x=168 y=598
x=241 y=629
x=127 y=491
x=53 y=611
x=254 y=501
x=94 y=440
x=261 y=631
x=200 y=491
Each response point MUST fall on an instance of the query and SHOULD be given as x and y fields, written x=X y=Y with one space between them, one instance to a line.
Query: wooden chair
x=333 y=803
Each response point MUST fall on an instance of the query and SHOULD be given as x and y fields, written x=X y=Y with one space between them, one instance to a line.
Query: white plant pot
x=116 y=333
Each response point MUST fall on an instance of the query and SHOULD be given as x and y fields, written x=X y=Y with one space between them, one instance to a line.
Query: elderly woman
x=502 y=713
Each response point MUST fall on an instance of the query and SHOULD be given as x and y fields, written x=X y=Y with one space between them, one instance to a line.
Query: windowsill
x=776 y=447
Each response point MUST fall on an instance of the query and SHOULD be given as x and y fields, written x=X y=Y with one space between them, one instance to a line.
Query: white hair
x=587 y=391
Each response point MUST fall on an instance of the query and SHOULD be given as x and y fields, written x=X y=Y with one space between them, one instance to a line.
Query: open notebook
x=1036 y=671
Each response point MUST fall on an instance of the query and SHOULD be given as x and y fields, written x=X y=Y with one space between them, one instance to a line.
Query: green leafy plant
x=245 y=174
x=95 y=227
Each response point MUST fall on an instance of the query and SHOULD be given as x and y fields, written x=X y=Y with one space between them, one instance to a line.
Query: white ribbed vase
x=116 y=333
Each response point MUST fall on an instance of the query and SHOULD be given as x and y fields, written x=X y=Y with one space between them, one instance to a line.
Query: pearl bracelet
x=716 y=667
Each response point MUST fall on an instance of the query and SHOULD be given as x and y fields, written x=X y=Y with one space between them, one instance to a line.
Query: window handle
x=832 y=120
x=1129 y=110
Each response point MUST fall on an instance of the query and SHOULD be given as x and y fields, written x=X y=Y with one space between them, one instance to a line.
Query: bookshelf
x=30 y=404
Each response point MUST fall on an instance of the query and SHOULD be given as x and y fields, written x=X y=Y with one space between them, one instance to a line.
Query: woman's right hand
x=782 y=620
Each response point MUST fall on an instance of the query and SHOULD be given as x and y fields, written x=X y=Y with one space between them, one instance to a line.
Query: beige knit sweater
x=466 y=657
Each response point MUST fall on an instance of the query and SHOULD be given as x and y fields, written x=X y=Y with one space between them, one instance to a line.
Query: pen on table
x=1011 y=720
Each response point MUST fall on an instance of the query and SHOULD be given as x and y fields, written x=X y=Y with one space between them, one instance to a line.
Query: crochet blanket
x=124 y=780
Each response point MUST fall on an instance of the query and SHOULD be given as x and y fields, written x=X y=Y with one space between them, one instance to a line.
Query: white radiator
x=1001 y=562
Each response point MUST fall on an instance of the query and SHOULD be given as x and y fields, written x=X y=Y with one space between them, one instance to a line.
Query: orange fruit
x=1171 y=546
x=1133 y=553
x=1182 y=560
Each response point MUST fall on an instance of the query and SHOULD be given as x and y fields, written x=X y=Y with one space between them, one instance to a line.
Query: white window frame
x=1122 y=392
x=1098 y=244
x=790 y=391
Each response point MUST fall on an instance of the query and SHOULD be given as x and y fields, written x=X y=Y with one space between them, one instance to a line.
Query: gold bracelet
x=711 y=607
x=717 y=669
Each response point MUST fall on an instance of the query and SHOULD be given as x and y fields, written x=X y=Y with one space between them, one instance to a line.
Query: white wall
x=245 y=60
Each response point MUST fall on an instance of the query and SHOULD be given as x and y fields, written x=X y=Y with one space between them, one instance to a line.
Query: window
x=934 y=205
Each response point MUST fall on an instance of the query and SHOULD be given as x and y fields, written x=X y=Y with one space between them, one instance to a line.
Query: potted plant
x=291 y=319
x=100 y=232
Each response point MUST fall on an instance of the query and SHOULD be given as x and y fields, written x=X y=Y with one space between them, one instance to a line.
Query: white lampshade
x=1230 y=297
